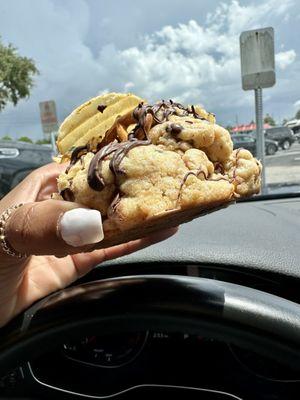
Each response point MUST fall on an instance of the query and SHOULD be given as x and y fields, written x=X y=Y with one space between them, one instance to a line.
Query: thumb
x=53 y=227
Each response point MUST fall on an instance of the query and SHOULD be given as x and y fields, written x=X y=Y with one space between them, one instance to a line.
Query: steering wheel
x=247 y=317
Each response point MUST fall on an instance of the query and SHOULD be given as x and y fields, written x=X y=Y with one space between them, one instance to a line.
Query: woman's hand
x=35 y=229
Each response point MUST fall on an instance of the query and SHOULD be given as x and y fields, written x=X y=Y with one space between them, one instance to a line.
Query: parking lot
x=284 y=167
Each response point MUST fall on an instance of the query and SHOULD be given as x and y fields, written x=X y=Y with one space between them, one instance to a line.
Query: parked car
x=297 y=136
x=294 y=125
x=248 y=142
x=18 y=159
x=281 y=134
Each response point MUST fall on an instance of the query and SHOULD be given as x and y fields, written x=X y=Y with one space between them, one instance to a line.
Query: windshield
x=55 y=55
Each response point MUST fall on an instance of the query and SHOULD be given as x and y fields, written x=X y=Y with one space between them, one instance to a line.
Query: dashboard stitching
x=232 y=396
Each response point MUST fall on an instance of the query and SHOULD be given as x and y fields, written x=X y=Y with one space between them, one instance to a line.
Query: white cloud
x=128 y=86
x=196 y=63
x=235 y=18
x=297 y=104
x=285 y=58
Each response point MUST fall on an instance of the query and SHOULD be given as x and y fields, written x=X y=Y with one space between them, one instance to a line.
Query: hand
x=33 y=229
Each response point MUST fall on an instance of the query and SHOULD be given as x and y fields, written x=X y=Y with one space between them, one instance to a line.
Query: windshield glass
x=55 y=55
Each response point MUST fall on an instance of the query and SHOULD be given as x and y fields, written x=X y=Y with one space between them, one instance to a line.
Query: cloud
x=235 y=18
x=196 y=63
x=297 y=104
x=191 y=61
x=285 y=58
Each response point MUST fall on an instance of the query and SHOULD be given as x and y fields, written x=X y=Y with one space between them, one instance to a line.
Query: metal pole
x=260 y=137
x=53 y=144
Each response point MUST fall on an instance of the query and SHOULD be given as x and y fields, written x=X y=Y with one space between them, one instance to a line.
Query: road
x=284 y=167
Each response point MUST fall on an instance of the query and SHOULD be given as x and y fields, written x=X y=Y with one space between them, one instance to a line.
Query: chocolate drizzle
x=95 y=178
x=196 y=174
x=120 y=150
x=195 y=114
x=76 y=154
x=121 y=153
x=113 y=205
x=160 y=111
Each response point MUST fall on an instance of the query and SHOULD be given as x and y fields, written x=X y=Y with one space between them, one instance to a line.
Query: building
x=247 y=128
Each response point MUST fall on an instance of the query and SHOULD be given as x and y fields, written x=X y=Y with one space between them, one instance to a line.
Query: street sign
x=48 y=117
x=258 y=71
x=257 y=58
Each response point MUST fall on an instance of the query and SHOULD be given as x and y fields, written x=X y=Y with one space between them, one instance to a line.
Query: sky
x=186 y=50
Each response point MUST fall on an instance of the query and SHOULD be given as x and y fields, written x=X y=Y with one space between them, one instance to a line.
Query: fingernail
x=81 y=226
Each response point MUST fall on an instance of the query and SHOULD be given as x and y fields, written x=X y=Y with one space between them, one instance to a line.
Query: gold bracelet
x=5 y=245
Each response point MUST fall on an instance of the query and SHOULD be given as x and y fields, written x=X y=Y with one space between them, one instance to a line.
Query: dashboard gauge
x=111 y=351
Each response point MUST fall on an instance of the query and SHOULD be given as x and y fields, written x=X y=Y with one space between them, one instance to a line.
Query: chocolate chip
x=67 y=194
x=101 y=108
x=174 y=129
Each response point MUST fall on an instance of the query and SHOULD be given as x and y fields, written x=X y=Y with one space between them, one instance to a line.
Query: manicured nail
x=81 y=226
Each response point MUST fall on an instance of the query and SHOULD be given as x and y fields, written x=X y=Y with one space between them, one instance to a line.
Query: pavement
x=283 y=169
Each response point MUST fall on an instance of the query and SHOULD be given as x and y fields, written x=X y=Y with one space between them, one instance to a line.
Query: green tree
x=16 y=75
x=25 y=139
x=43 y=141
x=269 y=120
x=297 y=116
x=229 y=128
x=6 y=137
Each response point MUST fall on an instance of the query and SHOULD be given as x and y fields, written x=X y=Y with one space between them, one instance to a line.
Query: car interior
x=211 y=313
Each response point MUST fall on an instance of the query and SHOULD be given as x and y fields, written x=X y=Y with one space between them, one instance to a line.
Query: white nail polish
x=81 y=226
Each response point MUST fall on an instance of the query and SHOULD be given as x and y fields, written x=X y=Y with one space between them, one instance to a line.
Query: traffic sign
x=258 y=72
x=257 y=58
x=48 y=117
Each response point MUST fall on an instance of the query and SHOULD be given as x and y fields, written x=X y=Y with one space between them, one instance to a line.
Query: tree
x=16 y=75
x=229 y=128
x=6 y=137
x=269 y=120
x=25 y=139
x=43 y=141
x=297 y=116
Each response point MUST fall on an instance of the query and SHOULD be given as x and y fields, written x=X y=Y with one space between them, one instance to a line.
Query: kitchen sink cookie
x=156 y=166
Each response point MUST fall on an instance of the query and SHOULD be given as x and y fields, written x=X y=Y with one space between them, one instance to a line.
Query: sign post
x=258 y=72
x=48 y=118
x=260 y=137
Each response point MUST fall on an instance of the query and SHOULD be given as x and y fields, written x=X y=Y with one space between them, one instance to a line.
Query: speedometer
x=111 y=351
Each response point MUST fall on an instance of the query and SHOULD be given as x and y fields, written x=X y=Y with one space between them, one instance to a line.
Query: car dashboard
x=124 y=364
x=225 y=246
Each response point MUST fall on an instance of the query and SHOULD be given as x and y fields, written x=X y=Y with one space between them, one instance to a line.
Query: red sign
x=247 y=128
x=48 y=116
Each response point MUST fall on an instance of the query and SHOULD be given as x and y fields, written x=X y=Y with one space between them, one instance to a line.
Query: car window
x=185 y=51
